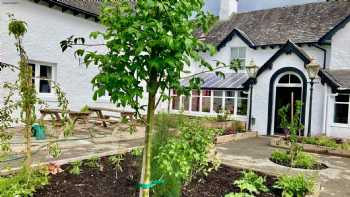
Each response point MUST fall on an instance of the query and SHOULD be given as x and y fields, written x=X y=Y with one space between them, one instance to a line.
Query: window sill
x=340 y=125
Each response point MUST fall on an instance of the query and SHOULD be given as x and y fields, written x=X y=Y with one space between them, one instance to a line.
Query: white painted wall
x=46 y=28
x=340 y=50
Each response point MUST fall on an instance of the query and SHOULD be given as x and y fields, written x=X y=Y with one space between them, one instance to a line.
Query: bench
x=103 y=118
x=73 y=115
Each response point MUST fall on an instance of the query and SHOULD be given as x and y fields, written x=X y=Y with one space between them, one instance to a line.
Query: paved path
x=254 y=153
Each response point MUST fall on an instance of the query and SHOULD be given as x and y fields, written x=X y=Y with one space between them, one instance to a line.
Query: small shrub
x=137 y=152
x=238 y=195
x=304 y=160
x=294 y=186
x=24 y=183
x=309 y=140
x=85 y=109
x=251 y=183
x=93 y=162
x=116 y=161
x=75 y=168
x=327 y=141
x=281 y=157
x=222 y=116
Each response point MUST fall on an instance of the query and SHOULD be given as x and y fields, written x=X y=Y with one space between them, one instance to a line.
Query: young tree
x=151 y=43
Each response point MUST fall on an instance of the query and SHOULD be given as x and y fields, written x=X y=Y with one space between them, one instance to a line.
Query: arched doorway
x=287 y=86
x=288 y=91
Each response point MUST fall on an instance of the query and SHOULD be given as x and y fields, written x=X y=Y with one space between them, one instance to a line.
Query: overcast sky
x=248 y=5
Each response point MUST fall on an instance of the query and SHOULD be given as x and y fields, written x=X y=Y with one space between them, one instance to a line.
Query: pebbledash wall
x=46 y=28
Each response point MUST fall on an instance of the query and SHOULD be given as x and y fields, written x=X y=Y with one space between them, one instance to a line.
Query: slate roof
x=340 y=78
x=212 y=81
x=91 y=7
x=306 y=23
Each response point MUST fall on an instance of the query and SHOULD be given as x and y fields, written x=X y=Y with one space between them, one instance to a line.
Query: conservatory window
x=218 y=101
x=341 y=109
x=230 y=102
x=206 y=98
x=242 y=103
x=175 y=101
x=195 y=100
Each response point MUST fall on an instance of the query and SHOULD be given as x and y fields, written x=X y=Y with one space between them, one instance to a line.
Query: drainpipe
x=325 y=110
x=324 y=54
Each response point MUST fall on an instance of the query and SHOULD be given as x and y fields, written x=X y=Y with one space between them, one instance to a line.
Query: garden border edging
x=235 y=137
x=281 y=143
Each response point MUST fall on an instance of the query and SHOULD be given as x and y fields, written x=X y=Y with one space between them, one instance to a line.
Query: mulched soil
x=101 y=182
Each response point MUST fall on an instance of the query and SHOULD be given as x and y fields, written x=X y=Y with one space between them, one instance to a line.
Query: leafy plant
x=137 y=152
x=116 y=161
x=283 y=115
x=186 y=155
x=75 y=168
x=223 y=115
x=281 y=157
x=239 y=195
x=304 y=160
x=294 y=186
x=251 y=183
x=85 y=108
x=23 y=183
x=54 y=150
x=93 y=162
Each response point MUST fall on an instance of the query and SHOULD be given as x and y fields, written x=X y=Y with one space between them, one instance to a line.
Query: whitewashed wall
x=46 y=28
x=261 y=93
x=340 y=49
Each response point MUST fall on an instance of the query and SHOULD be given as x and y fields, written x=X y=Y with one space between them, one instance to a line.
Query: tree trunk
x=147 y=153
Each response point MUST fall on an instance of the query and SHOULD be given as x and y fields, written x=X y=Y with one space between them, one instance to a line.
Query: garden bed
x=282 y=143
x=235 y=137
x=101 y=181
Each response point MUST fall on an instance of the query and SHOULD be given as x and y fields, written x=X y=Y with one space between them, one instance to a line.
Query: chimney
x=227 y=8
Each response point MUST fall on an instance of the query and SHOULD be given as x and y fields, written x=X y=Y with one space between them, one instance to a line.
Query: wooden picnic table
x=74 y=115
x=104 y=118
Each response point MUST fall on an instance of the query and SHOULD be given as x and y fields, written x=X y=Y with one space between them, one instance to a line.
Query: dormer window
x=239 y=53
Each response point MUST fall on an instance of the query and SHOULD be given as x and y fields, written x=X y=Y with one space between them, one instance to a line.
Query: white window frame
x=346 y=103
x=37 y=78
x=212 y=112
x=239 y=57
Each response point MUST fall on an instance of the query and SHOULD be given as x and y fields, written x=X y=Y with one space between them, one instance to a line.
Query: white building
x=281 y=41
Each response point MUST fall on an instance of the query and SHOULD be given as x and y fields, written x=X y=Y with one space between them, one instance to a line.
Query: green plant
x=251 y=183
x=93 y=162
x=223 y=115
x=75 y=168
x=24 y=183
x=281 y=157
x=238 y=195
x=326 y=141
x=304 y=160
x=85 y=108
x=283 y=115
x=116 y=161
x=186 y=155
x=294 y=186
x=54 y=150
x=137 y=152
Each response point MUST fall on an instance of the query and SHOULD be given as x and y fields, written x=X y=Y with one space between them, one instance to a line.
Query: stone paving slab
x=254 y=154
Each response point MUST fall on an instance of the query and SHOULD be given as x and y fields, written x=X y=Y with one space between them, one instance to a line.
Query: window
x=242 y=103
x=212 y=101
x=206 y=98
x=341 y=109
x=175 y=101
x=230 y=101
x=195 y=101
x=218 y=99
x=186 y=103
x=239 y=53
x=42 y=77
